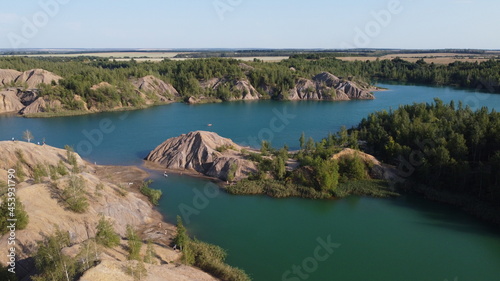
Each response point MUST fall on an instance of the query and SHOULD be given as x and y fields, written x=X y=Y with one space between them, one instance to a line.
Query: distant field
x=150 y=56
x=437 y=58
x=118 y=55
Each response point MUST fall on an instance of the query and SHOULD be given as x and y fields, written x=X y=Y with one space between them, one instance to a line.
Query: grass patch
x=280 y=189
x=210 y=258
x=275 y=188
x=374 y=188
x=224 y=148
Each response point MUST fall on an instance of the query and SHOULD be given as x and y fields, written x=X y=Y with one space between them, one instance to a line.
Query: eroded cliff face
x=19 y=99
x=242 y=87
x=113 y=195
x=9 y=101
x=155 y=90
x=34 y=77
x=203 y=152
x=326 y=86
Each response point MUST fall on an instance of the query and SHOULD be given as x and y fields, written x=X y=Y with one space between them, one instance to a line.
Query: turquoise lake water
x=406 y=238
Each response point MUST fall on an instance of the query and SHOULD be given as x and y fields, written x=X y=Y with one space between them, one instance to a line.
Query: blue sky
x=409 y=24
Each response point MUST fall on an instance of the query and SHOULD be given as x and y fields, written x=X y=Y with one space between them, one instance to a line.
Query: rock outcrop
x=44 y=104
x=242 y=87
x=9 y=102
x=326 y=86
x=14 y=99
x=110 y=269
x=203 y=152
x=248 y=92
x=35 y=77
x=7 y=76
x=151 y=85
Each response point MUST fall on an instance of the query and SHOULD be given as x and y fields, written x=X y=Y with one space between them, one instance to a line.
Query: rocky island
x=203 y=152
x=243 y=170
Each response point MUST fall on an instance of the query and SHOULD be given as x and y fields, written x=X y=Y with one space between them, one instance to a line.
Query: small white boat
x=209 y=125
x=165 y=174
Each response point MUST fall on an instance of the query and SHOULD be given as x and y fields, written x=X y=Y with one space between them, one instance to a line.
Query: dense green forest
x=446 y=147
x=272 y=80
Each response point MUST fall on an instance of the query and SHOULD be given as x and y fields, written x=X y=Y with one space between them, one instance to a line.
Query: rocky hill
x=31 y=78
x=20 y=91
x=204 y=152
x=242 y=87
x=110 y=191
x=326 y=86
x=156 y=87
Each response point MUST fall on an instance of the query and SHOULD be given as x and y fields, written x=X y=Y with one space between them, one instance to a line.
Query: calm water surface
x=406 y=238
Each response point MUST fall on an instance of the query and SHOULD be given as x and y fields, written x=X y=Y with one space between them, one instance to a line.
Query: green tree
x=49 y=260
x=279 y=168
x=327 y=175
x=74 y=194
x=150 y=253
x=181 y=238
x=134 y=244
x=265 y=148
x=352 y=168
x=106 y=235
x=12 y=212
x=71 y=157
x=310 y=144
x=302 y=140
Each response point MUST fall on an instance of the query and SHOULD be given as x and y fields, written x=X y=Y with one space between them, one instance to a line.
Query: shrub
x=224 y=147
x=209 y=258
x=53 y=172
x=21 y=176
x=153 y=195
x=39 y=171
x=9 y=212
x=353 y=168
x=61 y=169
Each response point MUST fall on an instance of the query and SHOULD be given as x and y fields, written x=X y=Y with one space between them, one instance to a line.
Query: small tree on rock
x=27 y=135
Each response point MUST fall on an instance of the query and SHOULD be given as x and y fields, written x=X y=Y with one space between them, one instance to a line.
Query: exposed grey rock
x=198 y=151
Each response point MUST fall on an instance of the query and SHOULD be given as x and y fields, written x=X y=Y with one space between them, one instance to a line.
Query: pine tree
x=181 y=238
x=106 y=235
x=134 y=244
